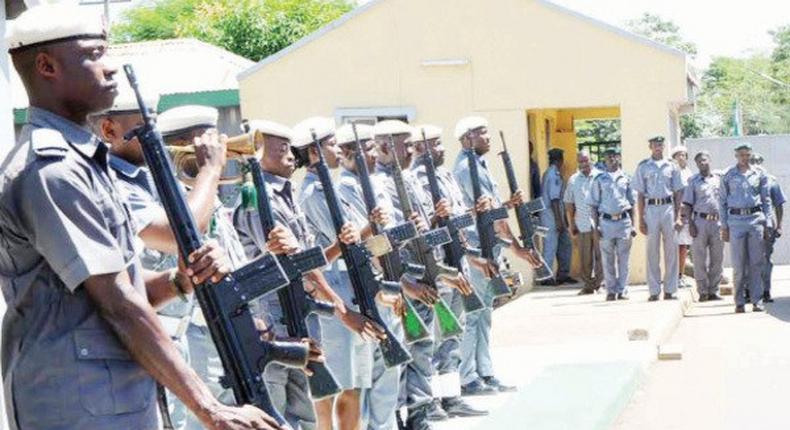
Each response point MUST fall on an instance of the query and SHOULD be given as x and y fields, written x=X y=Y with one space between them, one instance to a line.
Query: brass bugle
x=238 y=148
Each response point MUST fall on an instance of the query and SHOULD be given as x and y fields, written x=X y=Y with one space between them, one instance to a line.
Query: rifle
x=295 y=302
x=392 y=265
x=449 y=326
x=364 y=281
x=485 y=221
x=525 y=214
x=454 y=251
x=225 y=304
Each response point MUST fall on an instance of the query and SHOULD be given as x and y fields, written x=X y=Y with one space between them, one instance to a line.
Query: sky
x=729 y=27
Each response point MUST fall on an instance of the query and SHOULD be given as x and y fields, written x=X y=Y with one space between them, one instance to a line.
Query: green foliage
x=596 y=131
x=664 y=31
x=253 y=29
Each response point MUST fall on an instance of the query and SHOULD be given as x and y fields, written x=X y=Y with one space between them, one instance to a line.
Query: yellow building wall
x=521 y=55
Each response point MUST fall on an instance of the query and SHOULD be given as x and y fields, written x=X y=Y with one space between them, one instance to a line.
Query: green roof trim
x=217 y=99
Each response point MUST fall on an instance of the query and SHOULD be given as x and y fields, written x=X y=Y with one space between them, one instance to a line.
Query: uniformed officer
x=612 y=199
x=81 y=339
x=774 y=226
x=701 y=208
x=557 y=242
x=477 y=369
x=416 y=393
x=744 y=203
x=447 y=356
x=348 y=353
x=581 y=222
x=659 y=185
x=680 y=157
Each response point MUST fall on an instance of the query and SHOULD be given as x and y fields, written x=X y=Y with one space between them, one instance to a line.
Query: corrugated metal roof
x=174 y=66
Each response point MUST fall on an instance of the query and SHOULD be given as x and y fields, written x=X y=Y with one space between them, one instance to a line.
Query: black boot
x=435 y=411
x=457 y=407
x=492 y=381
x=418 y=419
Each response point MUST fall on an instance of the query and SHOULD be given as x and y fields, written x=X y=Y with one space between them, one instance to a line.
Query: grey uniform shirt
x=702 y=193
x=743 y=190
x=777 y=198
x=612 y=193
x=553 y=189
x=287 y=213
x=578 y=193
x=61 y=222
x=488 y=186
x=657 y=179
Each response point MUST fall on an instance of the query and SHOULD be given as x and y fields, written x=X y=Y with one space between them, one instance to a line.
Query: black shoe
x=585 y=291
x=566 y=280
x=653 y=298
x=549 y=283
x=703 y=298
x=610 y=297
x=477 y=388
x=669 y=296
x=747 y=296
x=418 y=419
x=622 y=296
x=714 y=297
x=767 y=298
x=456 y=407
x=757 y=308
x=493 y=382
x=435 y=412
x=739 y=309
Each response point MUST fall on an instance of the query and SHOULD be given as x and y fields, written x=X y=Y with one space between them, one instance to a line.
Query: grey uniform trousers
x=380 y=401
x=708 y=250
x=415 y=381
x=661 y=231
x=614 y=256
x=768 y=268
x=747 y=248
x=447 y=356
x=475 y=346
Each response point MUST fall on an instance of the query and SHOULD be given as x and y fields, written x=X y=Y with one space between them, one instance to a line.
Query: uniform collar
x=345 y=173
x=124 y=167
x=277 y=183
x=78 y=136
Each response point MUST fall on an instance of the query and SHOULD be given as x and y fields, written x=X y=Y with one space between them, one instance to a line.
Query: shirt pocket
x=116 y=218
x=110 y=383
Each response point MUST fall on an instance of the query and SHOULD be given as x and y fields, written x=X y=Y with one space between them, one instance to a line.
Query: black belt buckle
x=745 y=211
x=663 y=201
x=707 y=216
x=616 y=217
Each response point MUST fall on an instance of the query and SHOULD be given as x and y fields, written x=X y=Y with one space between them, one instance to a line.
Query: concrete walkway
x=571 y=358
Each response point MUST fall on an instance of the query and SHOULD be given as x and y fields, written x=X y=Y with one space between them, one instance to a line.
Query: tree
x=253 y=29
x=664 y=31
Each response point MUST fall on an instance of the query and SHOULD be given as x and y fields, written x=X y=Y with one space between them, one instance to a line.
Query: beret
x=50 y=23
x=303 y=132
x=744 y=145
x=431 y=132
x=180 y=119
x=658 y=139
x=345 y=134
x=468 y=124
x=679 y=149
x=271 y=128
x=391 y=127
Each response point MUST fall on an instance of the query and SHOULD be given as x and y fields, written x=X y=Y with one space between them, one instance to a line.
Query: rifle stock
x=225 y=304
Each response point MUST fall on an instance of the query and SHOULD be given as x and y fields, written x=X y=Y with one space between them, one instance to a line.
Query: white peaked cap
x=345 y=134
x=468 y=124
x=431 y=132
x=679 y=148
x=183 y=118
x=391 y=127
x=49 y=23
x=126 y=101
x=271 y=128
x=303 y=132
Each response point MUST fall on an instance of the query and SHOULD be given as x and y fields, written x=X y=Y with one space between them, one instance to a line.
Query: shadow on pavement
x=780 y=308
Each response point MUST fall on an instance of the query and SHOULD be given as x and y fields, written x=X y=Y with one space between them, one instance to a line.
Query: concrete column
x=6 y=139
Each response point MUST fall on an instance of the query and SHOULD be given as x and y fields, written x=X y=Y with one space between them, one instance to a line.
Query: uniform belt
x=616 y=217
x=745 y=211
x=707 y=217
x=657 y=202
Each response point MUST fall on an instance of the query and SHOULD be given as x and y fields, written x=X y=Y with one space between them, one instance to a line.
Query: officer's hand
x=678 y=225
x=693 y=229
x=363 y=326
x=265 y=332
x=419 y=291
x=574 y=230
x=245 y=417
x=209 y=263
x=349 y=234
x=767 y=234
x=643 y=226
x=419 y=222
x=387 y=299
x=725 y=234
x=531 y=256
x=633 y=232
x=282 y=241
x=459 y=283
x=210 y=150
x=517 y=199
x=484 y=204
x=379 y=216
x=443 y=208
x=778 y=232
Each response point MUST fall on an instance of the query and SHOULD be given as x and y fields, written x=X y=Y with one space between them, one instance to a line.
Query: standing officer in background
x=612 y=199
x=744 y=205
x=577 y=196
x=557 y=242
x=81 y=339
x=774 y=226
x=701 y=208
x=680 y=156
x=659 y=185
